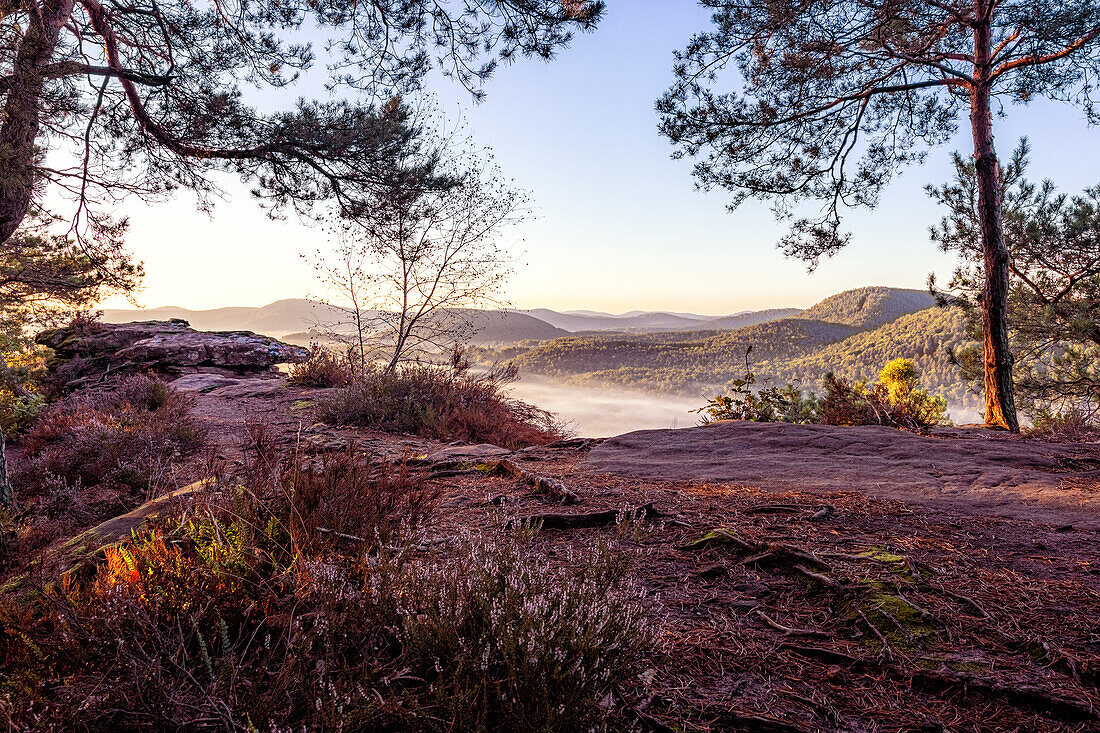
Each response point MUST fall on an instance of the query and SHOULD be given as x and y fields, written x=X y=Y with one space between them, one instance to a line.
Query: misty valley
x=609 y=374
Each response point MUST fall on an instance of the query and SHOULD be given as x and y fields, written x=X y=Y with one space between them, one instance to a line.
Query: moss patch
x=714 y=538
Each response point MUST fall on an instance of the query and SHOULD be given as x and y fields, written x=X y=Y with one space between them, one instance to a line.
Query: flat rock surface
x=468 y=452
x=972 y=471
x=229 y=387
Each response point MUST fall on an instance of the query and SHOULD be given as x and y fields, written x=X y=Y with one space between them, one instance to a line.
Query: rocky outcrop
x=86 y=350
x=970 y=470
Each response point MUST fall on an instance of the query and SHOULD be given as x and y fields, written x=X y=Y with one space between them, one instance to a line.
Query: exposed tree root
x=1019 y=695
x=588 y=519
x=773 y=509
x=742 y=720
x=451 y=473
x=545 y=484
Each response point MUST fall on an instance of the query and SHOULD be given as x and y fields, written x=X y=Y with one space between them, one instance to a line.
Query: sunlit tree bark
x=838 y=95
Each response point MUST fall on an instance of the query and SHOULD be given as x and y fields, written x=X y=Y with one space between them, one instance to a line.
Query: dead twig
x=788 y=630
x=966 y=600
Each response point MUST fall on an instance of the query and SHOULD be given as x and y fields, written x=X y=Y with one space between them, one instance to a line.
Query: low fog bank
x=601 y=412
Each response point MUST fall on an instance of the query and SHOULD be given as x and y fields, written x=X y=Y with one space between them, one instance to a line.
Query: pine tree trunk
x=1000 y=405
x=21 y=111
x=7 y=494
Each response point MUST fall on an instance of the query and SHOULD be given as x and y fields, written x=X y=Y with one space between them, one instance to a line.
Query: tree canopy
x=838 y=95
x=105 y=98
x=1054 y=300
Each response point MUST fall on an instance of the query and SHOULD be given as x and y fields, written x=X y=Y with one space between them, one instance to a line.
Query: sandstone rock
x=468 y=453
x=167 y=347
x=202 y=383
x=235 y=387
x=974 y=471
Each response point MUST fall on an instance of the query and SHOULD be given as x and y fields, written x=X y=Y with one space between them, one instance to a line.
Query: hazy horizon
x=620 y=226
x=115 y=305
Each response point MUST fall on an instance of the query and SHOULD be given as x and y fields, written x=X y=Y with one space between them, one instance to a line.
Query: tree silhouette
x=409 y=274
x=104 y=98
x=837 y=95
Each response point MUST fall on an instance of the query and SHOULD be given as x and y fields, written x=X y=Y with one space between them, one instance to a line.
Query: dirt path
x=971 y=471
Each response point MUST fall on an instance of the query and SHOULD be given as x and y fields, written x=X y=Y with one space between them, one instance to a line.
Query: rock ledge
x=83 y=351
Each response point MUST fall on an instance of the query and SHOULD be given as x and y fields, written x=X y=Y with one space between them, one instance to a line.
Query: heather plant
x=347 y=498
x=507 y=643
x=442 y=402
x=228 y=620
x=94 y=455
x=115 y=438
x=322 y=368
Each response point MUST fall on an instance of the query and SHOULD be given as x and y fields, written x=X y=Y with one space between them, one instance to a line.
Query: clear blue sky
x=619 y=225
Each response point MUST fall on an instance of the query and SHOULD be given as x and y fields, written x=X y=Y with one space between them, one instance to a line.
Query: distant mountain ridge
x=852 y=334
x=274 y=319
x=298 y=320
x=299 y=317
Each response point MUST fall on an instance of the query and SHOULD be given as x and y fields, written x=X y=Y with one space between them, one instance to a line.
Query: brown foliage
x=95 y=455
x=347 y=499
x=245 y=614
x=323 y=368
x=443 y=403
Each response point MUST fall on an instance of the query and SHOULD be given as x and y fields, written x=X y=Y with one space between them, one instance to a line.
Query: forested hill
x=868 y=307
x=678 y=358
x=854 y=335
x=920 y=336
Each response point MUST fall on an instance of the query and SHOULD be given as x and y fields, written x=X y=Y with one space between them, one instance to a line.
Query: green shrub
x=1072 y=426
x=894 y=400
x=17 y=412
x=768 y=404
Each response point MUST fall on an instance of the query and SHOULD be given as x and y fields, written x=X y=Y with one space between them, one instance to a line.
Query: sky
x=618 y=225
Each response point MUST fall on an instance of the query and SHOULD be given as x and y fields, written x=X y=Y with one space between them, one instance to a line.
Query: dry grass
x=442 y=403
x=251 y=613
